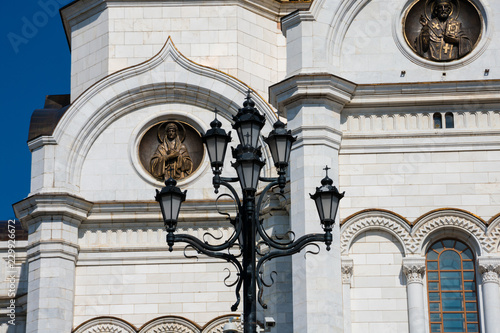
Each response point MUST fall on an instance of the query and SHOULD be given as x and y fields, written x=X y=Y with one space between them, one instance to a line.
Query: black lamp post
x=248 y=122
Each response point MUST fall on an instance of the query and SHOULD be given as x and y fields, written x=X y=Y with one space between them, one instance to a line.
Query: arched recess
x=450 y=223
x=105 y=325
x=168 y=77
x=374 y=219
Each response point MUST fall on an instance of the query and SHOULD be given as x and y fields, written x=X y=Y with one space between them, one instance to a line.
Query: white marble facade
x=359 y=100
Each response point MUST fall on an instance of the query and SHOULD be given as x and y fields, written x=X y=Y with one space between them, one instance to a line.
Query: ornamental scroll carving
x=414 y=270
x=347 y=270
x=490 y=269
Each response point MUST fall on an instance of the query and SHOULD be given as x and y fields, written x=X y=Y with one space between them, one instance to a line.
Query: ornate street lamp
x=243 y=243
x=170 y=199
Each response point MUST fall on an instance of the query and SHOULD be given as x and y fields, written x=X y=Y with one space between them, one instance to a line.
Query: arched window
x=451 y=287
x=438 y=123
x=448 y=117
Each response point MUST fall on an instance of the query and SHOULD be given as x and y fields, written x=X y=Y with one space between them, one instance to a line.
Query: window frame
x=471 y=279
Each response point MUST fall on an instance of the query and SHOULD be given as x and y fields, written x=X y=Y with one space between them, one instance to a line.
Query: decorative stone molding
x=493 y=233
x=467 y=225
x=490 y=269
x=217 y=326
x=449 y=222
x=326 y=87
x=347 y=270
x=344 y=15
x=170 y=325
x=105 y=325
x=408 y=124
x=52 y=249
x=106 y=328
x=70 y=208
x=414 y=269
x=374 y=220
x=170 y=328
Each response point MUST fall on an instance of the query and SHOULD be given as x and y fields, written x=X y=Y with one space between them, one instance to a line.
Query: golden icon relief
x=442 y=30
x=171 y=149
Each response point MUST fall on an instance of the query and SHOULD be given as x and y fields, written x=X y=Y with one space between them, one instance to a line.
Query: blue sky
x=35 y=62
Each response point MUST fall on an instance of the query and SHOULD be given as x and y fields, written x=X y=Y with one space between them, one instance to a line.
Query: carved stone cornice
x=328 y=88
x=414 y=269
x=39 y=207
x=347 y=269
x=52 y=249
x=490 y=269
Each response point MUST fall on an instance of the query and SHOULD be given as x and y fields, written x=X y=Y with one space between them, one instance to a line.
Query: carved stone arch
x=340 y=24
x=493 y=233
x=170 y=324
x=450 y=223
x=217 y=325
x=105 y=325
x=168 y=77
x=374 y=219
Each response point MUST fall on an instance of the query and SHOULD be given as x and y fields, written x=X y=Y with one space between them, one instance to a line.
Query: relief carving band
x=442 y=30
x=171 y=158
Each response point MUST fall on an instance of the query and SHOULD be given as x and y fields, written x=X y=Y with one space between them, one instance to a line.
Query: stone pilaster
x=347 y=270
x=490 y=270
x=312 y=105
x=52 y=221
x=414 y=270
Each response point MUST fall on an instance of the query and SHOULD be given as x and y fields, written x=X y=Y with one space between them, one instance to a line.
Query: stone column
x=490 y=269
x=312 y=105
x=414 y=269
x=52 y=221
x=347 y=269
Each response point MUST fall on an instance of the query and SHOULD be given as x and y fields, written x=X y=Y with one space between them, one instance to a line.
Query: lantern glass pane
x=241 y=176
x=211 y=143
x=176 y=206
x=239 y=171
x=255 y=134
x=281 y=148
x=245 y=133
x=326 y=200
x=221 y=149
x=288 y=150
x=334 y=206
x=248 y=174
x=319 y=207
x=248 y=133
x=166 y=200
x=255 y=176
x=271 y=142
